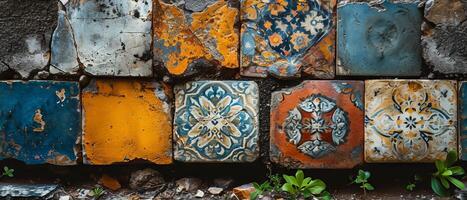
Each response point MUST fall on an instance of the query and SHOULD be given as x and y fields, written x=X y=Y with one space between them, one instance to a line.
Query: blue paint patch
x=372 y=42
x=463 y=119
x=40 y=121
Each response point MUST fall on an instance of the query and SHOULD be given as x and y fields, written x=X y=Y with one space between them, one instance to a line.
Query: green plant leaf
x=306 y=181
x=325 y=195
x=317 y=186
x=299 y=177
x=446 y=172
x=256 y=186
x=288 y=187
x=438 y=188
x=444 y=182
x=254 y=195
x=457 y=170
x=367 y=175
x=291 y=180
x=410 y=187
x=451 y=158
x=440 y=165
x=456 y=182
x=368 y=186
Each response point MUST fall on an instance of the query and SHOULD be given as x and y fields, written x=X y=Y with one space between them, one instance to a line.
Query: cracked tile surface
x=195 y=33
x=318 y=124
x=216 y=121
x=113 y=37
x=410 y=120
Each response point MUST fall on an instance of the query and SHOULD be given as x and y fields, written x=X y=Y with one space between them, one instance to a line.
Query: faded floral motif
x=410 y=120
x=216 y=121
x=315 y=116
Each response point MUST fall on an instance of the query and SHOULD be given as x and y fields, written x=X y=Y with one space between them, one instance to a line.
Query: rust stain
x=38 y=119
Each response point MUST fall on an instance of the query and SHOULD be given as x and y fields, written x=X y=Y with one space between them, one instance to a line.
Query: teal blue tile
x=382 y=40
x=40 y=121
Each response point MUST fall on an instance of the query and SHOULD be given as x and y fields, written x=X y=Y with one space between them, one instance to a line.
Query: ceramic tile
x=379 y=40
x=40 y=121
x=191 y=34
x=112 y=37
x=288 y=38
x=216 y=121
x=410 y=120
x=318 y=124
x=125 y=120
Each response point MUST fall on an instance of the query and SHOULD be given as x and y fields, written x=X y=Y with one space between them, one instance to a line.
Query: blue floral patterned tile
x=288 y=38
x=463 y=120
x=379 y=40
x=40 y=121
x=410 y=120
x=216 y=121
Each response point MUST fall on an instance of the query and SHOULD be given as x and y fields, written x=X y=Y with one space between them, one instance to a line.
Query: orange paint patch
x=213 y=26
x=126 y=120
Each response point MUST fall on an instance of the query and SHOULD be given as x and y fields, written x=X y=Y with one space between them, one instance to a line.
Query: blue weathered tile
x=216 y=121
x=40 y=121
x=380 y=40
x=463 y=119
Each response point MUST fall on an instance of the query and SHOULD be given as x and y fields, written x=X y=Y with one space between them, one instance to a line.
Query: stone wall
x=301 y=83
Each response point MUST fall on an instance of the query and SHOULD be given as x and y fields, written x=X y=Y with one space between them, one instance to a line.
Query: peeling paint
x=181 y=39
x=38 y=119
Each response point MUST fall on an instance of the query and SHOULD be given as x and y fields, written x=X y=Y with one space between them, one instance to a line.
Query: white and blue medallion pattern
x=316 y=117
x=216 y=121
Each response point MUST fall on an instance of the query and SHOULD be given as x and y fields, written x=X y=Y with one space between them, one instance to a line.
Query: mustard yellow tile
x=124 y=120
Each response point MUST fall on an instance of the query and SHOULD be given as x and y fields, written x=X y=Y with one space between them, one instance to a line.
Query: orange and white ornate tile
x=410 y=120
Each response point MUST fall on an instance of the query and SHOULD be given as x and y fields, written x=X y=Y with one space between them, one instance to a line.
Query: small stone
x=243 y=192
x=223 y=182
x=109 y=182
x=42 y=75
x=199 y=194
x=188 y=184
x=82 y=193
x=146 y=179
x=67 y=197
x=215 y=190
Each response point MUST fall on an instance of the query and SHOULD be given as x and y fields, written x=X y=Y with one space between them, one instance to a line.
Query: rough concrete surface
x=25 y=34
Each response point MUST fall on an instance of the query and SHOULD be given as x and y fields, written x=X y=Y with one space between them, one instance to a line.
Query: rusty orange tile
x=318 y=124
x=207 y=34
x=125 y=120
